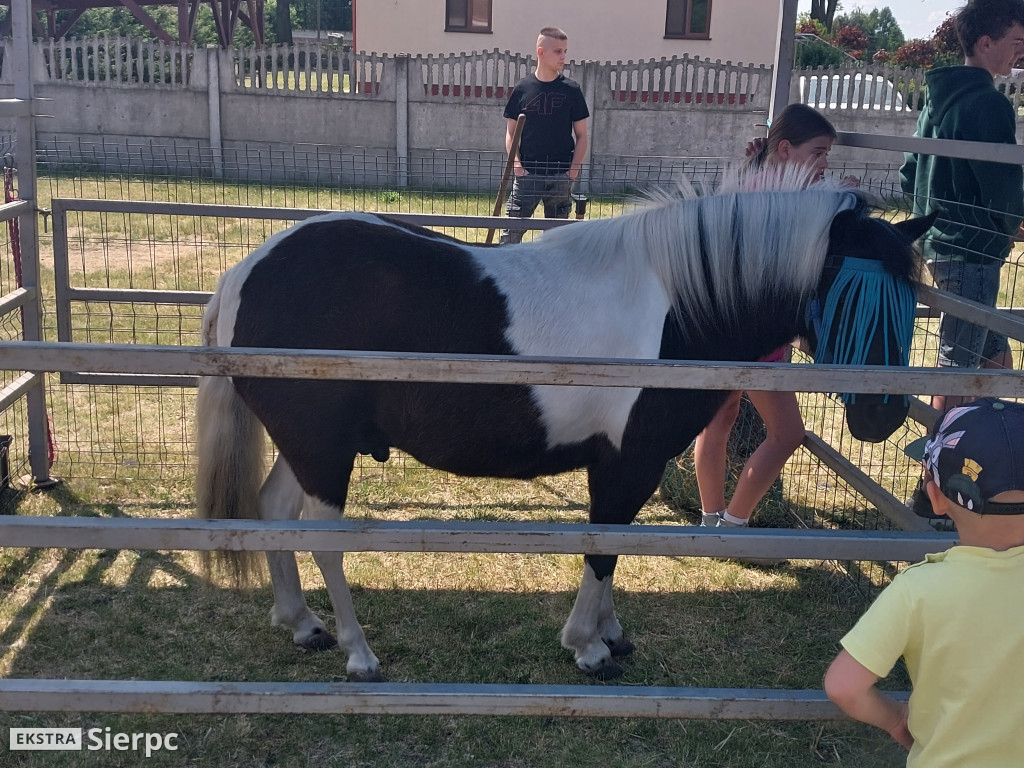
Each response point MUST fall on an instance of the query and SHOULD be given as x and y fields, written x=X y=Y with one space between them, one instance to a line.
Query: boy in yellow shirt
x=957 y=618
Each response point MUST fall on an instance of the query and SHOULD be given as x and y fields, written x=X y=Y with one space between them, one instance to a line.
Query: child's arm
x=851 y=686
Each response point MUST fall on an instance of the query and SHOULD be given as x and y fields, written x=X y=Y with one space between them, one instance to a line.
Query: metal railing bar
x=972 y=311
x=290 y=214
x=449 y=536
x=417 y=699
x=926 y=311
x=884 y=502
x=15 y=208
x=1011 y=154
x=498 y=369
x=15 y=108
x=128 y=379
x=138 y=296
x=923 y=413
x=17 y=389
x=16 y=299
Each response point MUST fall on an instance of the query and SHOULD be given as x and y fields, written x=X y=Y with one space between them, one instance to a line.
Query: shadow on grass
x=147 y=615
x=66 y=500
x=10 y=500
x=487 y=511
x=151 y=608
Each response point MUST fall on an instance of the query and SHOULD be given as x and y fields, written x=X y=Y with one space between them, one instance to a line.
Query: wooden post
x=509 y=164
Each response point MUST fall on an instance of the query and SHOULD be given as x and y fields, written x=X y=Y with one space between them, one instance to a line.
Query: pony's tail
x=230 y=446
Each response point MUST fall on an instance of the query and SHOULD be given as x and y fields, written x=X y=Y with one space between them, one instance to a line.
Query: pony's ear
x=844 y=224
x=915 y=228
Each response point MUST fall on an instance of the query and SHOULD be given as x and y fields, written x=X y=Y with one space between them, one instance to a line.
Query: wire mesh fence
x=136 y=433
x=13 y=419
x=315 y=175
x=13 y=427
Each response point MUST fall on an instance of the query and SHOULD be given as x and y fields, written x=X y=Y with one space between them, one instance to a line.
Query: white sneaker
x=710 y=519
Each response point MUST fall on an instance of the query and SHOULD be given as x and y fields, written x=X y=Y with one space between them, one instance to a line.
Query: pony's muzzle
x=873 y=418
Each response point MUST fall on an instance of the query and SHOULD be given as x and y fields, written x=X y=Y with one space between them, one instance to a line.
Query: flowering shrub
x=918 y=54
x=851 y=39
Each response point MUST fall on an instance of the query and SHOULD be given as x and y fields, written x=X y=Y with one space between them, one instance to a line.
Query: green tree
x=948 y=50
x=880 y=28
x=807 y=25
x=120 y=21
x=818 y=53
x=887 y=33
x=334 y=15
x=816 y=46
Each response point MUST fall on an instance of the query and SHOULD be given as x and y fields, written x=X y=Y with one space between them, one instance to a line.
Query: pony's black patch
x=358 y=285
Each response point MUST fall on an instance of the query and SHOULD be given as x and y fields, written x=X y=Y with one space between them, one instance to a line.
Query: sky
x=917 y=18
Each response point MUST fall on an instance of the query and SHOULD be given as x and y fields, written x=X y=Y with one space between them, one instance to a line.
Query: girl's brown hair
x=796 y=124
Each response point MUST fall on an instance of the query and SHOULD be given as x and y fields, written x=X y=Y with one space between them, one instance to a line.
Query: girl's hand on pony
x=755 y=146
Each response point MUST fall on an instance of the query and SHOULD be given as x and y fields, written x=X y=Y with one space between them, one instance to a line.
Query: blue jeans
x=963 y=344
x=531 y=190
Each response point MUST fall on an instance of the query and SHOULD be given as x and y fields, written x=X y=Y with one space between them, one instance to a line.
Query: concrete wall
x=428 y=121
x=599 y=30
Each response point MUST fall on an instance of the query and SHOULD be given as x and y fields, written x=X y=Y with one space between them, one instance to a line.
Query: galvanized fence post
x=25 y=160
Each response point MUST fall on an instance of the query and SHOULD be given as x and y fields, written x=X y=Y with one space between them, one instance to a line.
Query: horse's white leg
x=608 y=626
x=618 y=488
x=281 y=499
x=362 y=664
x=581 y=633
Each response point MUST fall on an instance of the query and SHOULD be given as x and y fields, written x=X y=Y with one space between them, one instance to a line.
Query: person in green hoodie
x=981 y=203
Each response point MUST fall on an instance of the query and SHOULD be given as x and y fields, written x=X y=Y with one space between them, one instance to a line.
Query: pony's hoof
x=320 y=640
x=620 y=647
x=608 y=669
x=373 y=676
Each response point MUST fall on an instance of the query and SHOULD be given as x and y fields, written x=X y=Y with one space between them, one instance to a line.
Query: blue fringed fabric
x=872 y=302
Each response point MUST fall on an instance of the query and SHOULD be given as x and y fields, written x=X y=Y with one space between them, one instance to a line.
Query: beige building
x=599 y=30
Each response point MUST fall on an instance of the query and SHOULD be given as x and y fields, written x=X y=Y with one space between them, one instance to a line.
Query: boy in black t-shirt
x=554 y=139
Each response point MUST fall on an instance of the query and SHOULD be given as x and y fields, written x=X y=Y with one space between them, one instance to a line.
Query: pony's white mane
x=766 y=229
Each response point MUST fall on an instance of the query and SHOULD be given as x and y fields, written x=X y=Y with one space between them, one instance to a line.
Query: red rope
x=10 y=195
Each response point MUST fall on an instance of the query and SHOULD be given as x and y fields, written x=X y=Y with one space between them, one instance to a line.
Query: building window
x=688 y=19
x=467 y=16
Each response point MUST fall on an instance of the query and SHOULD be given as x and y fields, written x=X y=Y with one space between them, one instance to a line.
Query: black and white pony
x=729 y=276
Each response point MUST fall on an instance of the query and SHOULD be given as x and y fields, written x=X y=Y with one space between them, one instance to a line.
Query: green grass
x=120 y=229
x=469 y=618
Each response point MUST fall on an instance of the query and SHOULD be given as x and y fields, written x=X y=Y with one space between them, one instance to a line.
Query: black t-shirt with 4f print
x=551 y=108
